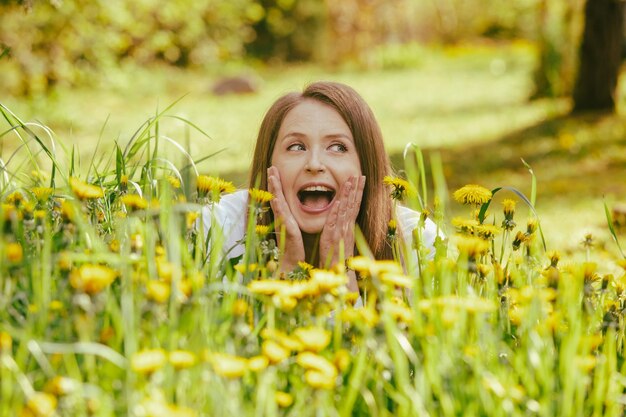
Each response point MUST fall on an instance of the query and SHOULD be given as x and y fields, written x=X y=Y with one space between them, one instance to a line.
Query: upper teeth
x=317 y=188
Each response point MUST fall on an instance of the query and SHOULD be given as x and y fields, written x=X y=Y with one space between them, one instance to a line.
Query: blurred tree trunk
x=560 y=23
x=600 y=55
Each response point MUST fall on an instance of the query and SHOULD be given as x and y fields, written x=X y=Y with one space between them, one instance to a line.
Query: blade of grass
x=609 y=221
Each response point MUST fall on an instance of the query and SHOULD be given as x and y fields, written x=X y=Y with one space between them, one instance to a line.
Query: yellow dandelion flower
x=554 y=257
x=190 y=218
x=319 y=380
x=85 y=191
x=206 y=184
x=274 y=352
x=397 y=280
x=124 y=180
x=6 y=342
x=174 y=181
x=166 y=270
x=483 y=270
x=532 y=224
x=61 y=385
x=487 y=231
x=42 y=404
x=148 y=361
x=399 y=311
x=229 y=366
x=91 y=278
x=267 y=286
x=284 y=303
x=520 y=238
x=472 y=246
x=586 y=363
x=15 y=198
x=260 y=196
x=392 y=226
x=360 y=264
x=245 y=269
x=56 y=305
x=351 y=298
x=400 y=188
x=257 y=363
x=181 y=359
x=301 y=289
x=342 y=359
x=42 y=194
x=262 y=230
x=134 y=202
x=289 y=342
x=158 y=291
x=314 y=339
x=283 y=399
x=472 y=194
x=313 y=361
x=509 y=208
x=240 y=307
x=114 y=245
x=14 y=252
x=306 y=267
x=327 y=280
x=589 y=272
x=185 y=287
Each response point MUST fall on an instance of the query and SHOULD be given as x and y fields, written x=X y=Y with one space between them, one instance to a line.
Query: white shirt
x=231 y=215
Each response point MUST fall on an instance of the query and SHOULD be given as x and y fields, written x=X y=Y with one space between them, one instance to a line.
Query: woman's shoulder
x=230 y=207
x=234 y=201
x=408 y=219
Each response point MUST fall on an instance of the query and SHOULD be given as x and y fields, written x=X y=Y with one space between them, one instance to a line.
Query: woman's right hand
x=283 y=219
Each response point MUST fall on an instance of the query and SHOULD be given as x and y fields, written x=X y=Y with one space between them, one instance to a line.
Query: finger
x=344 y=205
x=278 y=203
x=358 y=197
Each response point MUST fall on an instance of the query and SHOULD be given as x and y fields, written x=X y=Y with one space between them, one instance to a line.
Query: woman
x=321 y=154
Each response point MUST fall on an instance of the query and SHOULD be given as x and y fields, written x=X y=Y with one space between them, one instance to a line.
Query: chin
x=313 y=228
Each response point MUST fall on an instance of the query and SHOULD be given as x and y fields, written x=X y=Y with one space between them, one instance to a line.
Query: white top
x=231 y=212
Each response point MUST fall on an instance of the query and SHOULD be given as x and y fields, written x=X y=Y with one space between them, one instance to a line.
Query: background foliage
x=74 y=42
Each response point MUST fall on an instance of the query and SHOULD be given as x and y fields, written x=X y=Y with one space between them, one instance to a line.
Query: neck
x=311 y=247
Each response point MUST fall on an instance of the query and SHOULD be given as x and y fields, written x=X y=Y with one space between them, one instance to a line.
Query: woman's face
x=315 y=155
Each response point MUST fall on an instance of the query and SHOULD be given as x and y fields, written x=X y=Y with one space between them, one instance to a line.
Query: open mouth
x=316 y=197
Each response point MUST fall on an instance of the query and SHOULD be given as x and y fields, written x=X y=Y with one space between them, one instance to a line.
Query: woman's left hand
x=340 y=223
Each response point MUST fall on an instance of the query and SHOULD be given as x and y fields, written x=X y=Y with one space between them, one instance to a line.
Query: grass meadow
x=113 y=301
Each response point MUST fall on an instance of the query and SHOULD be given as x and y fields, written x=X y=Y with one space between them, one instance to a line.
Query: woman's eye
x=296 y=147
x=338 y=147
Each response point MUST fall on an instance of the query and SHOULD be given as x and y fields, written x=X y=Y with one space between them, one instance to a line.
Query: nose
x=314 y=163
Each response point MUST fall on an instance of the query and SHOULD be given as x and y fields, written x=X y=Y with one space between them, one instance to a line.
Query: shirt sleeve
x=229 y=217
x=407 y=221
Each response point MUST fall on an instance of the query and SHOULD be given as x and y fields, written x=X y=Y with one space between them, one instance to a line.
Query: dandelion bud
x=509 y=211
x=588 y=240
x=391 y=229
x=123 y=182
x=519 y=239
x=554 y=257
x=531 y=226
x=509 y=208
x=606 y=280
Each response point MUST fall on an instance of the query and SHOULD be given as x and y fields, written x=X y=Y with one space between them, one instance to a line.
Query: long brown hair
x=376 y=204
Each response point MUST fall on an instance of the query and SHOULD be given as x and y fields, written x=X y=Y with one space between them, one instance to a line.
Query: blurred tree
x=288 y=30
x=600 y=55
x=79 y=41
x=560 y=24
